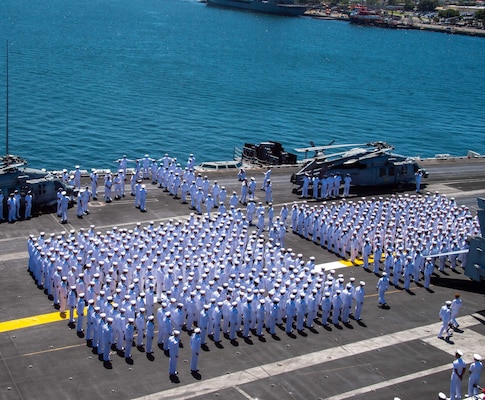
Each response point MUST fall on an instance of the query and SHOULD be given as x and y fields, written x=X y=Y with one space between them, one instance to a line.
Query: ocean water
x=92 y=80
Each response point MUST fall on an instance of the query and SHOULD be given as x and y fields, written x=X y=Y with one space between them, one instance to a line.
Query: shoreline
x=449 y=29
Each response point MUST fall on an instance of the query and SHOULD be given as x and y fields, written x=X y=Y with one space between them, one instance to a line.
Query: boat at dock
x=275 y=7
x=362 y=15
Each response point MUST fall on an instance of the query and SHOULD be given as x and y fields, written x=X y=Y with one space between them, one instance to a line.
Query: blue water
x=92 y=80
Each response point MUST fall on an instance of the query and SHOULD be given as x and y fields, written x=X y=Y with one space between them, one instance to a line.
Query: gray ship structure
x=275 y=7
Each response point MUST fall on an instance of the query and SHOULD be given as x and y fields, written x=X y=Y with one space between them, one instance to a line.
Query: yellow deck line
x=34 y=320
x=43 y=319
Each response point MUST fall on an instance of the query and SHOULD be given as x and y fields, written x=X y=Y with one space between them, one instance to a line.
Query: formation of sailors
x=326 y=187
x=404 y=235
x=210 y=274
x=13 y=202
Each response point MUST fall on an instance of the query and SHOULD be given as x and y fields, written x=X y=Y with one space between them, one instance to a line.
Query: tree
x=427 y=5
x=409 y=5
x=480 y=15
x=449 y=13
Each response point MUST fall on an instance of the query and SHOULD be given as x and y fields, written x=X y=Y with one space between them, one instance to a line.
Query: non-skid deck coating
x=390 y=353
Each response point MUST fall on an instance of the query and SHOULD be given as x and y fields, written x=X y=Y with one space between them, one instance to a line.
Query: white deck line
x=331 y=265
x=475 y=344
x=292 y=364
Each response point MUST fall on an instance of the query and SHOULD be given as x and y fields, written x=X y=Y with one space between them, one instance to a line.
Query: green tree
x=480 y=15
x=448 y=13
x=427 y=5
x=409 y=5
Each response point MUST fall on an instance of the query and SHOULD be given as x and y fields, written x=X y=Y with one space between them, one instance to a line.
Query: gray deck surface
x=393 y=352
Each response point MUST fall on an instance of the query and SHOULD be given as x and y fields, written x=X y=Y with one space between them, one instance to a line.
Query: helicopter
x=15 y=175
x=368 y=164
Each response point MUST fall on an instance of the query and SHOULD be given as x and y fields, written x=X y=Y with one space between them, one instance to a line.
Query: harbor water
x=92 y=80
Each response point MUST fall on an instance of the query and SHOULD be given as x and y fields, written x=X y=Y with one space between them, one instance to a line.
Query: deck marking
x=390 y=382
x=249 y=375
x=34 y=320
x=474 y=344
x=14 y=256
x=247 y=396
x=35 y=353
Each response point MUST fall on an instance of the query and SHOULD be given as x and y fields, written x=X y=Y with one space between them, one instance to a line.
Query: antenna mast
x=6 y=104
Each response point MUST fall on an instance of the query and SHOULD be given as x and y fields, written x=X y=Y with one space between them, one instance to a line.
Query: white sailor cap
x=197 y=330
x=176 y=333
x=459 y=352
x=477 y=357
x=448 y=302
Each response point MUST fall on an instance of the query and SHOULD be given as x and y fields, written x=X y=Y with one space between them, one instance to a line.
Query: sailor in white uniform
x=359 y=300
x=445 y=316
x=174 y=343
x=195 y=343
x=475 y=369
x=459 y=368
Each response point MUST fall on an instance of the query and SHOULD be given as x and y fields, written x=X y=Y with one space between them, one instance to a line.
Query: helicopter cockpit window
x=41 y=189
x=58 y=185
x=382 y=171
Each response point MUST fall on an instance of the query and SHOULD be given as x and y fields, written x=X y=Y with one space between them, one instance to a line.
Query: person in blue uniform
x=301 y=310
x=129 y=333
x=428 y=271
x=260 y=314
x=174 y=342
x=28 y=205
x=150 y=334
x=2 y=197
x=64 y=207
x=94 y=183
x=359 y=300
x=11 y=208
x=418 y=177
x=195 y=343
x=337 y=304
x=17 y=203
x=290 y=313
x=274 y=311
x=347 y=182
x=71 y=303
x=247 y=316
x=80 y=313
x=143 y=198
x=90 y=322
x=326 y=307
x=107 y=339
x=382 y=287
x=233 y=318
